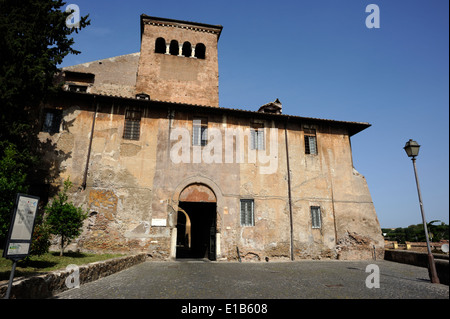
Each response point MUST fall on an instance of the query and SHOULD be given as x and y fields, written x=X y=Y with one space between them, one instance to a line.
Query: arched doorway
x=196 y=222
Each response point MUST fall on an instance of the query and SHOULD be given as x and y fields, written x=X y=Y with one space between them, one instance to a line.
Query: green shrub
x=64 y=218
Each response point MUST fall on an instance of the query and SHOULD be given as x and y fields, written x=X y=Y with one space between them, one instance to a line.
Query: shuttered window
x=257 y=137
x=310 y=141
x=132 y=127
x=200 y=131
x=247 y=212
x=316 y=220
x=52 y=121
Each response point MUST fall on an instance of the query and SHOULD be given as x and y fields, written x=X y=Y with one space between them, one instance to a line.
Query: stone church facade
x=163 y=169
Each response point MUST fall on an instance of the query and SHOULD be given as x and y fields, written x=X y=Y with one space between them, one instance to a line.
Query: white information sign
x=24 y=221
x=21 y=229
x=159 y=222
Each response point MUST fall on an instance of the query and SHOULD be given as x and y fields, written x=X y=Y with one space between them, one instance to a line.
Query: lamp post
x=412 y=150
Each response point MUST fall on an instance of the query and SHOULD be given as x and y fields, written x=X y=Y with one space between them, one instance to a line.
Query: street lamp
x=412 y=150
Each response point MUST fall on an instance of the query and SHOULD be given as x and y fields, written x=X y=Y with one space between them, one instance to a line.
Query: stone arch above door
x=195 y=180
x=197 y=193
x=208 y=189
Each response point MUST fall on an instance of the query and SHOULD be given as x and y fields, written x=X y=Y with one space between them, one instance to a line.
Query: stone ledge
x=49 y=284
x=421 y=260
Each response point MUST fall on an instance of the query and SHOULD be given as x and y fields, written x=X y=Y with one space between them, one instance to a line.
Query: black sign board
x=21 y=229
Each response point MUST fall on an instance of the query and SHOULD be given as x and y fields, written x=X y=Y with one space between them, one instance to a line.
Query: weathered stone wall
x=350 y=228
x=133 y=187
x=175 y=78
x=113 y=76
x=119 y=183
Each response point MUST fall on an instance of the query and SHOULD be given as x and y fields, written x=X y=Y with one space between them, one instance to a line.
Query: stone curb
x=49 y=284
x=420 y=259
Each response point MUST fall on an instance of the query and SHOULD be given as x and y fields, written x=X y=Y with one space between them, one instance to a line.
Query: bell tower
x=178 y=61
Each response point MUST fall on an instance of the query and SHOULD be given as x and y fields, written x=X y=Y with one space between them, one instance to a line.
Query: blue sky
x=319 y=58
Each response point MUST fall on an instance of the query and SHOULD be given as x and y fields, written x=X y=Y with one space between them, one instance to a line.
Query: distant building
x=165 y=170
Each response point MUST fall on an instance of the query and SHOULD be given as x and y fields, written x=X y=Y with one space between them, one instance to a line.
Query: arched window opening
x=187 y=49
x=174 y=50
x=160 y=45
x=200 y=51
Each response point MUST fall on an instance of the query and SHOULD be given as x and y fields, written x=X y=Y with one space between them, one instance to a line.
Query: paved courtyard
x=197 y=279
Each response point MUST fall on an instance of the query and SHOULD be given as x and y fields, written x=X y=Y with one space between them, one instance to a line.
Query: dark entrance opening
x=196 y=232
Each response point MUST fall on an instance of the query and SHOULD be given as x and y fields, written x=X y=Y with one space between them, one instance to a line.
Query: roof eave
x=198 y=24
x=353 y=127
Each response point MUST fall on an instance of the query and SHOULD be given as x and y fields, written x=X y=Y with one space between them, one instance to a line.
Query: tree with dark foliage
x=416 y=233
x=34 y=39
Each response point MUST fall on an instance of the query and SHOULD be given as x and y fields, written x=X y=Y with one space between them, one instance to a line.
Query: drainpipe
x=289 y=191
x=334 y=213
x=171 y=117
x=83 y=185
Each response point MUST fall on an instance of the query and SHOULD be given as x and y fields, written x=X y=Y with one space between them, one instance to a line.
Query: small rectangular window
x=316 y=220
x=132 y=127
x=52 y=121
x=247 y=212
x=200 y=131
x=257 y=137
x=310 y=141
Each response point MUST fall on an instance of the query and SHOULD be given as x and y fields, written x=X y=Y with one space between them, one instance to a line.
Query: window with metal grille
x=78 y=88
x=247 y=212
x=310 y=141
x=132 y=127
x=52 y=121
x=200 y=131
x=257 y=137
x=316 y=220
